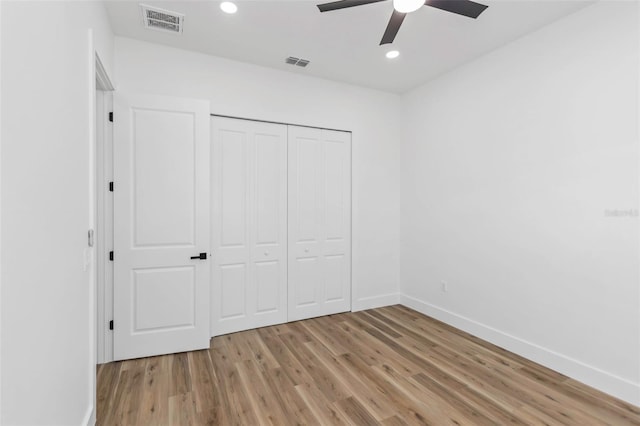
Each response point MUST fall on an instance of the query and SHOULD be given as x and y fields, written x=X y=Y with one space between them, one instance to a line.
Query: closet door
x=249 y=224
x=319 y=222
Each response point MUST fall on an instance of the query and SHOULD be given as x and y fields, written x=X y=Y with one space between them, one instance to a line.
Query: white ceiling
x=343 y=45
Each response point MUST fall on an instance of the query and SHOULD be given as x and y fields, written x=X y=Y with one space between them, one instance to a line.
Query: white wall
x=251 y=91
x=47 y=84
x=508 y=166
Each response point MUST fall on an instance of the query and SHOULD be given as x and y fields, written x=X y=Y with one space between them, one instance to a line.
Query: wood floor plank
x=204 y=383
x=261 y=353
x=298 y=330
x=234 y=400
x=322 y=409
x=107 y=385
x=356 y=384
x=182 y=410
x=390 y=366
x=130 y=390
x=237 y=347
x=403 y=403
x=153 y=406
x=434 y=390
x=180 y=378
x=108 y=412
x=380 y=325
x=373 y=353
x=507 y=387
x=356 y=413
x=324 y=379
x=324 y=333
x=263 y=402
x=290 y=401
x=287 y=361
x=611 y=410
x=394 y=421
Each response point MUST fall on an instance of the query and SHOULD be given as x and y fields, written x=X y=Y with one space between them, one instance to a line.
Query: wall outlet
x=444 y=286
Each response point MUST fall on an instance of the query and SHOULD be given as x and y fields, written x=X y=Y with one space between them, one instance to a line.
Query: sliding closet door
x=319 y=222
x=249 y=224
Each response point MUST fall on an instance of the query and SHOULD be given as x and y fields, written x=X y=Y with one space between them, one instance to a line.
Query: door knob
x=202 y=256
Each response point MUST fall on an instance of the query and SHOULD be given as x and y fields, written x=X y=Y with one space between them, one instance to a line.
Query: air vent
x=162 y=20
x=291 y=60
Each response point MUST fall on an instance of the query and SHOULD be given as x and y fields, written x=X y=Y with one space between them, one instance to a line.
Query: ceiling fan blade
x=335 y=5
x=461 y=7
x=393 y=27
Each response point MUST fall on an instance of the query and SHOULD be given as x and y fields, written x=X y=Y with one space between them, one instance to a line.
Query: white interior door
x=249 y=224
x=161 y=220
x=319 y=222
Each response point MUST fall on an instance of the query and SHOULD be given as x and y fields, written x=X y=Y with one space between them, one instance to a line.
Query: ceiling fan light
x=407 y=6
x=392 y=54
x=228 y=7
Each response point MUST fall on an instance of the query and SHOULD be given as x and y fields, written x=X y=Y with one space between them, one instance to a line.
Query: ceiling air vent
x=296 y=61
x=161 y=20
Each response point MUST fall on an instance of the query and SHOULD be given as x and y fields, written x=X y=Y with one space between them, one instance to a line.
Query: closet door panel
x=229 y=206
x=249 y=224
x=307 y=188
x=268 y=279
x=319 y=222
x=233 y=286
x=334 y=277
x=268 y=189
x=232 y=167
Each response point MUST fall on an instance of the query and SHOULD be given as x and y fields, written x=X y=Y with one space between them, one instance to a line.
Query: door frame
x=103 y=167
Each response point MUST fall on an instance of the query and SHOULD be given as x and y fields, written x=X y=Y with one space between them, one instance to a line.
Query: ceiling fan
x=402 y=7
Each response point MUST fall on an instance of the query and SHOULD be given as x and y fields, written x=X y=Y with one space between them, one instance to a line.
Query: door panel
x=233 y=197
x=268 y=279
x=335 y=156
x=233 y=291
x=163 y=298
x=306 y=271
x=249 y=224
x=163 y=185
x=268 y=188
x=161 y=217
x=307 y=187
x=319 y=222
x=334 y=277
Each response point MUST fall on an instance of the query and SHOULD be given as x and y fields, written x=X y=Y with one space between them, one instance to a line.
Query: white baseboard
x=592 y=376
x=375 y=302
x=89 y=417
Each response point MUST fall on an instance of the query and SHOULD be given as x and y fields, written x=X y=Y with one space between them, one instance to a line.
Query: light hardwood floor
x=389 y=366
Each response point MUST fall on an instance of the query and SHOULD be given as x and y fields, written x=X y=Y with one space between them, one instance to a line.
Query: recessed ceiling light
x=228 y=7
x=392 y=54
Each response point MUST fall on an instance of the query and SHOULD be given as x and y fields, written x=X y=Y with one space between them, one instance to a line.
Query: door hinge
x=111 y=325
x=110 y=186
x=111 y=255
x=111 y=117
